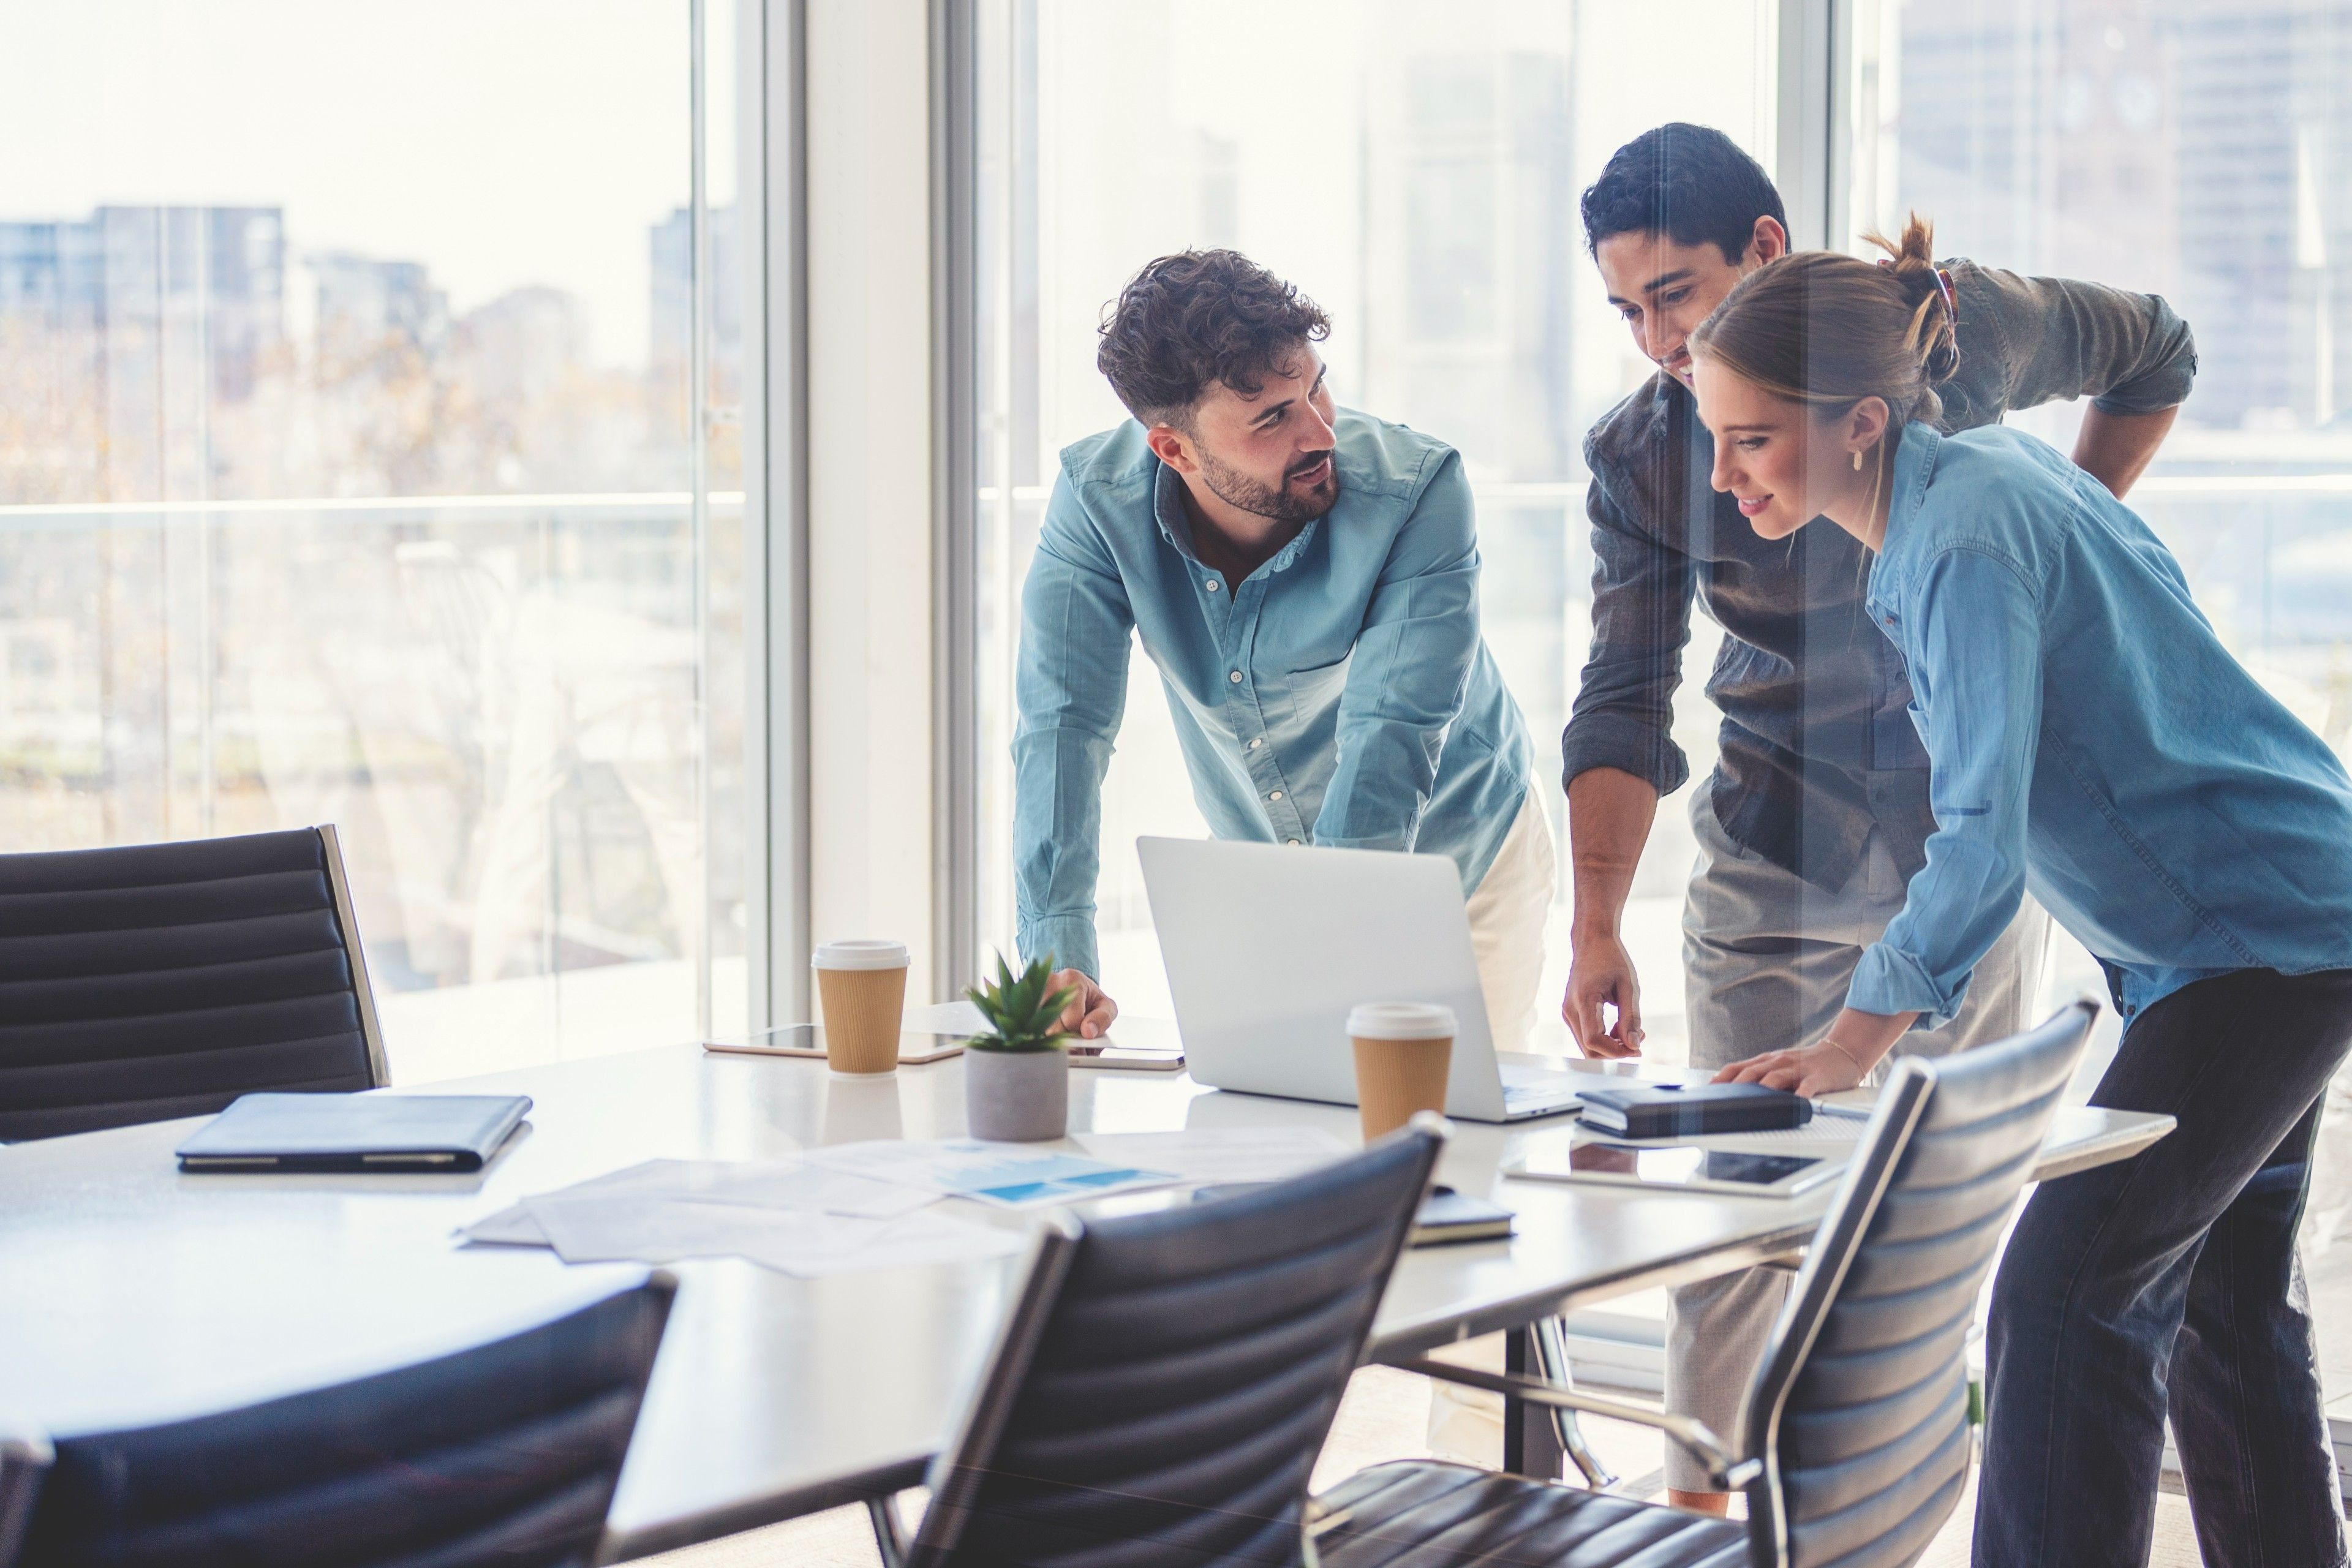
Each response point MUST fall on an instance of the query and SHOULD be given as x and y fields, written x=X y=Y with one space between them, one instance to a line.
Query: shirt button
x=1275 y=796
x=1255 y=741
x=1236 y=678
x=1212 y=584
x=1292 y=842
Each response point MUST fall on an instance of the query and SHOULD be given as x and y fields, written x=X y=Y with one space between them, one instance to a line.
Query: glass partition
x=2203 y=151
x=351 y=472
x=1415 y=170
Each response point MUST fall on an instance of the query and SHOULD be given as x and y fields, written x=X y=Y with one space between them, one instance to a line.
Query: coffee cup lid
x=1400 y=1021
x=860 y=953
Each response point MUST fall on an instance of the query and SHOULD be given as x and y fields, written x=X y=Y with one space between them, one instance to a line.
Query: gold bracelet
x=1847 y=1055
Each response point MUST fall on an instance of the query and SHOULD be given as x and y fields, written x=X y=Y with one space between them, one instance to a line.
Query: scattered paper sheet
x=752 y=1184
x=787 y=1215
x=805 y=1243
x=1221 y=1153
x=1007 y=1176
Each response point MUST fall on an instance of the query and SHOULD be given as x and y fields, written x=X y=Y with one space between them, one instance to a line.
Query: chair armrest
x=1693 y=1436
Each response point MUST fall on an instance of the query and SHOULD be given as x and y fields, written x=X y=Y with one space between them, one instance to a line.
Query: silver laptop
x=1268 y=947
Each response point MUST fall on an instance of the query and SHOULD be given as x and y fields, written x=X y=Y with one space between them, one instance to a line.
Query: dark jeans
x=2168 y=1283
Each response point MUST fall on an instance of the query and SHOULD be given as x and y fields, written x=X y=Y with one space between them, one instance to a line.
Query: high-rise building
x=365 y=304
x=2196 y=147
x=154 y=316
x=669 y=333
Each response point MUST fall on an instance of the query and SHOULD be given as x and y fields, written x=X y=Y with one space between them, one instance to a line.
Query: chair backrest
x=25 y=1458
x=1859 y=1409
x=506 y=1453
x=154 y=981
x=1165 y=1381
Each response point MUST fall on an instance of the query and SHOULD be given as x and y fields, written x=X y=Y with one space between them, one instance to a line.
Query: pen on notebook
x=1858 y=1112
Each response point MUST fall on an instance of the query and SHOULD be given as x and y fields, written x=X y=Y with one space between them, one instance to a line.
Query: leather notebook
x=355 y=1132
x=1663 y=1111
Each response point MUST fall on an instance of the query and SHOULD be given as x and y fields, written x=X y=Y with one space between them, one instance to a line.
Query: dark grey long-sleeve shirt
x=1817 y=744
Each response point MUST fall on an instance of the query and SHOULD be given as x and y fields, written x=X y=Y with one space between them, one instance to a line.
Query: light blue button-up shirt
x=1340 y=695
x=2091 y=739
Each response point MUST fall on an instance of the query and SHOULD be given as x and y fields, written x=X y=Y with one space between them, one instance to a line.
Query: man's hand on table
x=1089 y=1013
x=1602 y=973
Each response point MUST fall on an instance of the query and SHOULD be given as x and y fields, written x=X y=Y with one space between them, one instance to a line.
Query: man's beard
x=1236 y=489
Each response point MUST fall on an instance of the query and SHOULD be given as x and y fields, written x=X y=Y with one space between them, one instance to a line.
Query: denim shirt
x=2090 y=739
x=1815 y=750
x=1340 y=695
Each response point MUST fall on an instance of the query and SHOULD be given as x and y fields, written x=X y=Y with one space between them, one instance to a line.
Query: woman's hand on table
x=1811 y=1072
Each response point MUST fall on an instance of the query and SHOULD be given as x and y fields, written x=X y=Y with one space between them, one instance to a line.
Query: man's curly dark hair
x=1690 y=183
x=1195 y=318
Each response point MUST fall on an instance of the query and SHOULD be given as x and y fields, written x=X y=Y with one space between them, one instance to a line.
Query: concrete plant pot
x=1016 y=1097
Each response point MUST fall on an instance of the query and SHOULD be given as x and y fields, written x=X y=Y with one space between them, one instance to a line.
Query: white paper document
x=1221 y=1153
x=805 y=1243
x=787 y=1215
x=1005 y=1175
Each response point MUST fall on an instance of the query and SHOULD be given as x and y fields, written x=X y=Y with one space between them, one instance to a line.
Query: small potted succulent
x=1016 y=1081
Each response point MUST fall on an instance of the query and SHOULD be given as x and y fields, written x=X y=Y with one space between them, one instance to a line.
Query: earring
x=1857 y=460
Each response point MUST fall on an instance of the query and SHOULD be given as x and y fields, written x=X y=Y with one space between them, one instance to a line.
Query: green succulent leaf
x=1023 y=1012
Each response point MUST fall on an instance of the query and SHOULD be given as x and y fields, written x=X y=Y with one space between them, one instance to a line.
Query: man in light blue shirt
x=1306 y=578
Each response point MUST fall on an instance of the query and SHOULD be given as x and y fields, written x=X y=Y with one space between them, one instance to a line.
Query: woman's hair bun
x=1934 y=333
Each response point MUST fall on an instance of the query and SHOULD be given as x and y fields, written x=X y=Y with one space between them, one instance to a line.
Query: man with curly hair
x=1305 y=579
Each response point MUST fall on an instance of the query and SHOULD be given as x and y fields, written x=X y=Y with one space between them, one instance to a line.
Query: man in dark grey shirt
x=1817 y=813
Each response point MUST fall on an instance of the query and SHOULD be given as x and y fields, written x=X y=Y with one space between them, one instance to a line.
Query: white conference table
x=131 y=1293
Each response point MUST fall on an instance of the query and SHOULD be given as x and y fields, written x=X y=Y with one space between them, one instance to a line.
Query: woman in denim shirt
x=2091 y=739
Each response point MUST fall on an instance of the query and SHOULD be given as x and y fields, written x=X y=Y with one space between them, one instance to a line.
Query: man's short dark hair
x=1690 y=183
x=1195 y=318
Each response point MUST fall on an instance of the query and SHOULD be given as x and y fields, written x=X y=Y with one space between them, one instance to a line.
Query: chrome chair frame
x=364 y=991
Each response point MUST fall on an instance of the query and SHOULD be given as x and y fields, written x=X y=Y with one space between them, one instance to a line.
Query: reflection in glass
x=348 y=479
x=1415 y=170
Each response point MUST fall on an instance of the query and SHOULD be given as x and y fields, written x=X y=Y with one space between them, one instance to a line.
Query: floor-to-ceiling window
x=352 y=471
x=2202 y=149
x=1415 y=169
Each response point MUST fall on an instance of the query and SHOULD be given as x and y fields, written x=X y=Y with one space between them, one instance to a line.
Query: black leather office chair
x=504 y=1455
x=160 y=980
x=1165 y=1380
x=1857 y=1426
x=24 y=1458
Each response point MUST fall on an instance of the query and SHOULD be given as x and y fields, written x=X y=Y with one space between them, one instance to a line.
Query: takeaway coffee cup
x=1402 y=1051
x=861 y=986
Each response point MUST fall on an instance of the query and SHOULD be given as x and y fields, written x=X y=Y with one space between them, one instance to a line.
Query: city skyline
x=322 y=362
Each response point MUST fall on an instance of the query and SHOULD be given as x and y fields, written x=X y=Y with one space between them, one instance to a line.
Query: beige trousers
x=1767 y=959
x=1507 y=913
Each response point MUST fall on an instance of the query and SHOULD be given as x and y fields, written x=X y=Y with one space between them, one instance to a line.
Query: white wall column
x=870 y=455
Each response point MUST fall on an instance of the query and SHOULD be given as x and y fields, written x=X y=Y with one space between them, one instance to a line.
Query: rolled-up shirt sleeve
x=1975 y=658
x=1624 y=712
x=1409 y=674
x=2132 y=354
x=1070 y=685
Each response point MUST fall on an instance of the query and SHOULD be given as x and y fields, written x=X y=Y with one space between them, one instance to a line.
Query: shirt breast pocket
x=1319 y=686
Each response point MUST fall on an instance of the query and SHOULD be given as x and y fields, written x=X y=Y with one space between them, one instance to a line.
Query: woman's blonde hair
x=1828 y=330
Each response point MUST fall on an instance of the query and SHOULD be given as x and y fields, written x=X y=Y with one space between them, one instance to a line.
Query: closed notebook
x=1656 y=1111
x=1446 y=1215
x=355 y=1132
